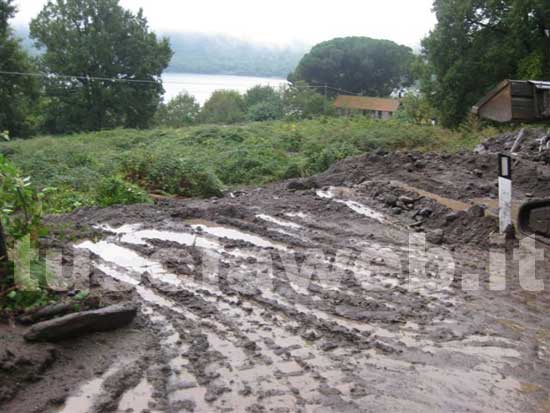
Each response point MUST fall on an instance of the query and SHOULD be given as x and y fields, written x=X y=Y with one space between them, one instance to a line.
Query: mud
x=305 y=297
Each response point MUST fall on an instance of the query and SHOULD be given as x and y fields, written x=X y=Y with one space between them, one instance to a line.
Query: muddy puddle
x=336 y=195
x=221 y=231
x=295 y=343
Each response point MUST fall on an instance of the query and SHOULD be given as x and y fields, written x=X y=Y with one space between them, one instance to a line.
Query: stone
x=480 y=149
x=476 y=211
x=435 y=237
x=406 y=199
x=77 y=324
x=302 y=184
x=477 y=173
x=390 y=200
x=396 y=211
x=425 y=212
x=452 y=216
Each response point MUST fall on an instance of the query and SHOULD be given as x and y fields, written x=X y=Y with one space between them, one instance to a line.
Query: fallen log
x=76 y=324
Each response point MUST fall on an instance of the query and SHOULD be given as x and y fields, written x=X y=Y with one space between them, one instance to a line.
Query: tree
x=416 y=109
x=18 y=94
x=478 y=43
x=303 y=102
x=99 y=39
x=183 y=110
x=356 y=64
x=224 y=106
x=263 y=103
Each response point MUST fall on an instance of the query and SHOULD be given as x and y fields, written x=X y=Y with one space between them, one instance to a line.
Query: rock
x=452 y=216
x=311 y=335
x=476 y=211
x=435 y=237
x=104 y=319
x=302 y=184
x=425 y=212
x=329 y=346
x=396 y=211
x=409 y=167
x=477 y=173
x=420 y=164
x=406 y=199
x=480 y=149
x=390 y=200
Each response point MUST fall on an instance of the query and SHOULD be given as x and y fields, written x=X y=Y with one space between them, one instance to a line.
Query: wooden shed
x=378 y=108
x=516 y=100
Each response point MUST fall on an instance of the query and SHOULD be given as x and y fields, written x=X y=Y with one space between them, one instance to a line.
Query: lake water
x=202 y=86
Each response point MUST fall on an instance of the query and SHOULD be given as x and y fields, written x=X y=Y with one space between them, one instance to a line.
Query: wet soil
x=305 y=296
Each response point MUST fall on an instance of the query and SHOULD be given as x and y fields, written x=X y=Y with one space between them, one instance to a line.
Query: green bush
x=183 y=110
x=167 y=173
x=224 y=106
x=201 y=160
x=116 y=191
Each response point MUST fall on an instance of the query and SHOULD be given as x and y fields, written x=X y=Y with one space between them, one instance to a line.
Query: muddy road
x=354 y=291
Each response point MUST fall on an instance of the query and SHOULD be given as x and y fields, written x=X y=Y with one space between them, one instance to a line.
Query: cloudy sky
x=281 y=21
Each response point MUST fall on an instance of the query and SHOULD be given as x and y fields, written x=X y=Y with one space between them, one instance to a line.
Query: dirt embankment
x=302 y=296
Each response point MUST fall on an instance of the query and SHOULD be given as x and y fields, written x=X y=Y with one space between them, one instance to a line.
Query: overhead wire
x=145 y=81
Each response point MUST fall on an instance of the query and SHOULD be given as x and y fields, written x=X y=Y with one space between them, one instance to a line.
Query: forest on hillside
x=218 y=54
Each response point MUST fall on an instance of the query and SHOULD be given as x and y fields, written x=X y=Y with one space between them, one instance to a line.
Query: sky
x=281 y=21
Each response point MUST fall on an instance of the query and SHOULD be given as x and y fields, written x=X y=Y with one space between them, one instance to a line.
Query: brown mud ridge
x=302 y=296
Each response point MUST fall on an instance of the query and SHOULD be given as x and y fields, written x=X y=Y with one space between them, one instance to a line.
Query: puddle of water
x=300 y=215
x=220 y=231
x=132 y=234
x=280 y=222
x=357 y=207
x=83 y=400
x=137 y=398
x=363 y=210
x=493 y=206
x=453 y=204
x=130 y=260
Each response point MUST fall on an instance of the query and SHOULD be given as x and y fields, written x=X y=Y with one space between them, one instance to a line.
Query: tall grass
x=203 y=160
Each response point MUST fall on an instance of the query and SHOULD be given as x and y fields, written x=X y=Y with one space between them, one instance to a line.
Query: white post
x=505 y=192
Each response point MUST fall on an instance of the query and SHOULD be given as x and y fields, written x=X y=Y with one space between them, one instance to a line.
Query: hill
x=218 y=54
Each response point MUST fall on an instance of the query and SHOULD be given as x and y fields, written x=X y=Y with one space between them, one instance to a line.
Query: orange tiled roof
x=366 y=103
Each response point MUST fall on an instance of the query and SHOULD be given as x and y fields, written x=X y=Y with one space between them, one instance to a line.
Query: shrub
x=224 y=106
x=183 y=110
x=167 y=173
x=23 y=275
x=116 y=191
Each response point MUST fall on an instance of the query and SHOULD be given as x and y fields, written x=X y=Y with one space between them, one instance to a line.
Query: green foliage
x=416 y=109
x=202 y=160
x=164 y=172
x=224 y=106
x=99 y=38
x=116 y=191
x=18 y=94
x=22 y=272
x=20 y=206
x=475 y=45
x=263 y=103
x=357 y=64
x=303 y=102
x=183 y=110
x=64 y=199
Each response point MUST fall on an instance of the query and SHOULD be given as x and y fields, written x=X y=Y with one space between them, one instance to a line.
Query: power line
x=144 y=81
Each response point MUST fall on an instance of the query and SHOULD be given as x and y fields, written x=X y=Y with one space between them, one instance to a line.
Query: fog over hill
x=219 y=54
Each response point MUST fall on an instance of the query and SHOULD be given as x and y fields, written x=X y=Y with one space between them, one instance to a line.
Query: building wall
x=499 y=108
